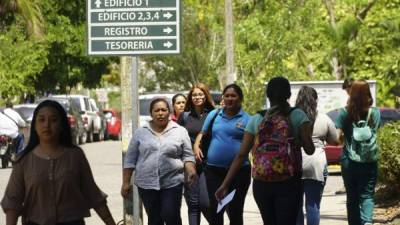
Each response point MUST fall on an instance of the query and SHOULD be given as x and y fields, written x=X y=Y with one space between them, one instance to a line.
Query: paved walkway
x=105 y=160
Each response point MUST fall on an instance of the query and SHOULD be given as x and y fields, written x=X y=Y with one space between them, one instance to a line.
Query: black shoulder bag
x=206 y=138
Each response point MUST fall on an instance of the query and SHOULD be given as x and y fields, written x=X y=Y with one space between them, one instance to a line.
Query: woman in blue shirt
x=227 y=133
x=278 y=201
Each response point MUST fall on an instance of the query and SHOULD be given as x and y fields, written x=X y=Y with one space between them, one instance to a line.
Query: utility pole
x=230 y=72
x=130 y=113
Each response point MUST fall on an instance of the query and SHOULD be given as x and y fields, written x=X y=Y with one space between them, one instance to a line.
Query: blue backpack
x=363 y=147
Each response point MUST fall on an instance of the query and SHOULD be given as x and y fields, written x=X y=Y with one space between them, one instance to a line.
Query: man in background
x=19 y=122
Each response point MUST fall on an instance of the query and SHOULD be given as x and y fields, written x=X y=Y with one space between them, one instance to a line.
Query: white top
x=15 y=116
x=8 y=127
x=314 y=165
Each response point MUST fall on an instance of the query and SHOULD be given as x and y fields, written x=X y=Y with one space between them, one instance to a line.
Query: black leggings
x=76 y=222
x=214 y=177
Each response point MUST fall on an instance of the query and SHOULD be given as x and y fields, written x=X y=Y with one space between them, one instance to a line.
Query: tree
x=21 y=60
x=202 y=55
x=27 y=9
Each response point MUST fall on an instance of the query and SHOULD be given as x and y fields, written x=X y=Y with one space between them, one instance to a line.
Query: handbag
x=206 y=138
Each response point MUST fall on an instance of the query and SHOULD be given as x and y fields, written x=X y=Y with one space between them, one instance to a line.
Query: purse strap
x=210 y=126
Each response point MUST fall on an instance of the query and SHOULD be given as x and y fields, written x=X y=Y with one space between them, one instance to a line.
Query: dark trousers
x=163 y=206
x=359 y=180
x=77 y=222
x=279 y=202
x=214 y=177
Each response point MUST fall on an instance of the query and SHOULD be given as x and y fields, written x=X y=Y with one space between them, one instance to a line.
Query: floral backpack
x=276 y=156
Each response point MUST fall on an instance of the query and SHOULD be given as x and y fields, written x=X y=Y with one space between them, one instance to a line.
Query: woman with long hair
x=198 y=106
x=226 y=138
x=161 y=154
x=51 y=182
x=314 y=166
x=278 y=201
x=178 y=105
x=359 y=177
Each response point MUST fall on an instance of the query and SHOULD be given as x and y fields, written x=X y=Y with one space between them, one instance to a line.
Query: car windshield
x=26 y=112
x=63 y=102
x=144 y=107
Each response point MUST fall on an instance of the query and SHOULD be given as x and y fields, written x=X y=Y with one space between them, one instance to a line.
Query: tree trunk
x=335 y=60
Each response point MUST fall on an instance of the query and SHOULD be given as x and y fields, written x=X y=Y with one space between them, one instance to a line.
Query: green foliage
x=292 y=38
x=202 y=54
x=114 y=99
x=389 y=162
x=21 y=60
x=56 y=61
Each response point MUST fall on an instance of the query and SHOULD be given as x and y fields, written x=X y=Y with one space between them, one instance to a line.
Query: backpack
x=276 y=156
x=363 y=147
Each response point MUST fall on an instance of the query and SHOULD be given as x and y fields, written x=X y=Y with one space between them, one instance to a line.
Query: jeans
x=279 y=202
x=19 y=143
x=162 y=206
x=359 y=180
x=194 y=198
x=215 y=176
x=313 y=190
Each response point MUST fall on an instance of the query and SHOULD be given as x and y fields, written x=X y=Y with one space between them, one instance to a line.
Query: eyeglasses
x=200 y=95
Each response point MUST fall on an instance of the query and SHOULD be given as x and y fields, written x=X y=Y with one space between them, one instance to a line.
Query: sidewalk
x=333 y=207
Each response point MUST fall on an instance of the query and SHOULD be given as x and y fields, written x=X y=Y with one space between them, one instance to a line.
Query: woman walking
x=159 y=152
x=178 y=105
x=275 y=137
x=52 y=183
x=315 y=170
x=227 y=132
x=359 y=160
x=198 y=106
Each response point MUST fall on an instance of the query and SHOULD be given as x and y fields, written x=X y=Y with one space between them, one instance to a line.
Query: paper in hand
x=225 y=200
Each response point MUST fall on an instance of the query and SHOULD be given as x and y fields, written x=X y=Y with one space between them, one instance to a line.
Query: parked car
x=99 y=120
x=113 y=124
x=74 y=119
x=144 y=104
x=333 y=153
x=93 y=128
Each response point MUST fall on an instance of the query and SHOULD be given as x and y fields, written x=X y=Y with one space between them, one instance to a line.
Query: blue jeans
x=162 y=206
x=19 y=143
x=196 y=199
x=313 y=190
x=279 y=202
x=359 y=180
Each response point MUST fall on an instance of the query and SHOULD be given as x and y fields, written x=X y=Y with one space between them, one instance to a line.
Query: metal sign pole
x=137 y=203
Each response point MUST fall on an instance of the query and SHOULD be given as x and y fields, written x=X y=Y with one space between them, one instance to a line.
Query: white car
x=144 y=105
x=90 y=115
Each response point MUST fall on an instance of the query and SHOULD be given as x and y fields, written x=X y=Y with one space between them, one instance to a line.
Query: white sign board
x=330 y=93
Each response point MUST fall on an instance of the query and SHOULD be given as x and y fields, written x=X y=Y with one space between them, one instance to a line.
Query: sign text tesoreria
x=129 y=45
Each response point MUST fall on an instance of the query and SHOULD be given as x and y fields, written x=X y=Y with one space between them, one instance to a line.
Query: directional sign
x=133 y=27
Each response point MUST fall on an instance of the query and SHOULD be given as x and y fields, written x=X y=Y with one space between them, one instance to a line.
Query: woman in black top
x=197 y=107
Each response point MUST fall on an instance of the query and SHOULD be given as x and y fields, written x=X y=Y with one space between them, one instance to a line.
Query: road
x=105 y=160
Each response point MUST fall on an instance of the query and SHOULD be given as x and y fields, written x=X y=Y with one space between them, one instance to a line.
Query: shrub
x=389 y=162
